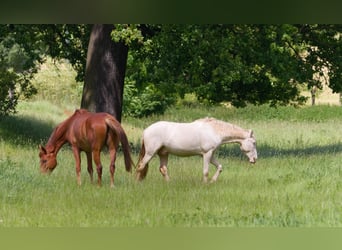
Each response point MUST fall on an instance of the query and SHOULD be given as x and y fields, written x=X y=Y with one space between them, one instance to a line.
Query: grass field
x=295 y=183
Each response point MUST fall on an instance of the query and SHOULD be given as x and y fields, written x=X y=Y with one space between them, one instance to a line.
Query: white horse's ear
x=251 y=133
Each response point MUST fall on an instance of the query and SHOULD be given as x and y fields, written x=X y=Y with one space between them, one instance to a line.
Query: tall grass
x=296 y=181
x=56 y=83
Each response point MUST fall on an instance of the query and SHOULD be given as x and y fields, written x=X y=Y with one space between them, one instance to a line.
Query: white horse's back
x=183 y=139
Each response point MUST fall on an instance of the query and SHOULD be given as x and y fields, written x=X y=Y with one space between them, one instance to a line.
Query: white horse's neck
x=227 y=131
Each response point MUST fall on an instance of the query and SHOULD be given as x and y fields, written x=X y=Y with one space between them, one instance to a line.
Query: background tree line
x=151 y=66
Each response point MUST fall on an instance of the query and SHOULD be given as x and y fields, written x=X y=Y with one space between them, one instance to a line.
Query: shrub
x=147 y=101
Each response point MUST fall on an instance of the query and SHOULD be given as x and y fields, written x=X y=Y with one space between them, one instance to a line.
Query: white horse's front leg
x=206 y=159
x=163 y=166
x=218 y=168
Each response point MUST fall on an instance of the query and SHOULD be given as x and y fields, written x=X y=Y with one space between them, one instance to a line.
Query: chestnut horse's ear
x=42 y=149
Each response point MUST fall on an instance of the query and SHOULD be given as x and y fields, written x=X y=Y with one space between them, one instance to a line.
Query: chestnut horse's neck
x=58 y=136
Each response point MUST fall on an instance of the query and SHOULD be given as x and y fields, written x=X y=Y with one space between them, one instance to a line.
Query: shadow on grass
x=29 y=131
x=267 y=151
x=24 y=130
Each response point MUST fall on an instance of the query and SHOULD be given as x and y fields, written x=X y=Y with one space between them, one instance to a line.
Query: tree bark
x=313 y=95
x=105 y=72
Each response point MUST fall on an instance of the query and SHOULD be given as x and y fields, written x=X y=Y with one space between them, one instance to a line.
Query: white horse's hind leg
x=218 y=168
x=143 y=167
x=163 y=166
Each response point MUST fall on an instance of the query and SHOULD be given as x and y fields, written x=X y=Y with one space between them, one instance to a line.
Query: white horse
x=201 y=137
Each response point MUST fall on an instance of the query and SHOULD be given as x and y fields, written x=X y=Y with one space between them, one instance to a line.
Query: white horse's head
x=248 y=146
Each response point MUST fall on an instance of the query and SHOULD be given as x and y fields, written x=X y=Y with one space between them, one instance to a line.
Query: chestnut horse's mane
x=59 y=131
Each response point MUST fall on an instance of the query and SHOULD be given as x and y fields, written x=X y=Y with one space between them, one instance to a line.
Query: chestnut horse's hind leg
x=112 y=166
x=97 y=160
x=90 y=166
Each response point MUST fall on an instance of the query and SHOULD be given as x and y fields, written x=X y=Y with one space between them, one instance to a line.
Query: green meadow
x=296 y=181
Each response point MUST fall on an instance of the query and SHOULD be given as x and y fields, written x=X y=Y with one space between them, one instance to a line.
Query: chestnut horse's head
x=48 y=160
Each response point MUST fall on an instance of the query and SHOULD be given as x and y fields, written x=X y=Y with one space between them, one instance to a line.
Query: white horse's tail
x=141 y=170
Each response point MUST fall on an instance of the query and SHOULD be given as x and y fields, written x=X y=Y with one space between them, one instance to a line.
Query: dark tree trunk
x=105 y=72
x=313 y=95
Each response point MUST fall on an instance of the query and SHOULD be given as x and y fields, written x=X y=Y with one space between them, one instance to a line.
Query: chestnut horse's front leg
x=76 y=152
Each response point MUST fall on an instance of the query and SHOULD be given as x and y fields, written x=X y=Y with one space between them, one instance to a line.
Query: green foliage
x=143 y=98
x=24 y=47
x=67 y=41
x=146 y=101
x=127 y=33
x=19 y=55
x=239 y=64
x=324 y=52
x=8 y=98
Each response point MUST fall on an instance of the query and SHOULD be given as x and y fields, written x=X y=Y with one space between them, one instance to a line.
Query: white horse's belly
x=181 y=151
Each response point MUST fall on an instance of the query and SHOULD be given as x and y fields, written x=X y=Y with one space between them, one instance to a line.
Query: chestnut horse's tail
x=116 y=126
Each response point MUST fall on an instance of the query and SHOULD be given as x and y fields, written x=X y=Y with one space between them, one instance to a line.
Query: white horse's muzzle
x=253 y=161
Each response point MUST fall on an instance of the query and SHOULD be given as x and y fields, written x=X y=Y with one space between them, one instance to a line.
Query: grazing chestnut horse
x=201 y=137
x=89 y=132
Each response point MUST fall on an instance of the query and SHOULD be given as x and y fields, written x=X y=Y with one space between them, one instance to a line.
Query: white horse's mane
x=222 y=127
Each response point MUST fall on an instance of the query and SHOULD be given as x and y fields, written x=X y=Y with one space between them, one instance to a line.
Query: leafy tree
x=239 y=64
x=69 y=41
x=20 y=54
x=324 y=52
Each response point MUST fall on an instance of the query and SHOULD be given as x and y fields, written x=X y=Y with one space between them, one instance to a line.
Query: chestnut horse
x=201 y=137
x=88 y=132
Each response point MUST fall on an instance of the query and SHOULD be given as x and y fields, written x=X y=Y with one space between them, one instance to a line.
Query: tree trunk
x=105 y=72
x=313 y=95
